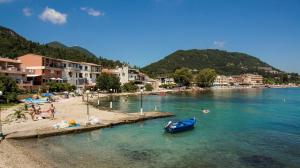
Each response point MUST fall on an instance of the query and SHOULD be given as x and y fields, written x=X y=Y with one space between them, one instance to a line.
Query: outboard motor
x=169 y=123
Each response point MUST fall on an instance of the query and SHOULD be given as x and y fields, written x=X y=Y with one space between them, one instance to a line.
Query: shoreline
x=71 y=109
x=13 y=156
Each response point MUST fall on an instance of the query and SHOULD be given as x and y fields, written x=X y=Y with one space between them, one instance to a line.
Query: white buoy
x=98 y=102
x=155 y=108
x=110 y=105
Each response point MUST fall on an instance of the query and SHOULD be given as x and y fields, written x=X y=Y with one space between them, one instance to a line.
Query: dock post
x=142 y=110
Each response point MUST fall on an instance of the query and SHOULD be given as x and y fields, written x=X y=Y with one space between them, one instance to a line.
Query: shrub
x=9 y=89
x=148 y=87
x=108 y=81
x=168 y=86
x=129 y=87
x=59 y=87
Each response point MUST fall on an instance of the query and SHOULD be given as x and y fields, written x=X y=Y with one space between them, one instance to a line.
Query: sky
x=143 y=31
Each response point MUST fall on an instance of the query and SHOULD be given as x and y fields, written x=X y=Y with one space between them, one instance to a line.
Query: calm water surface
x=245 y=128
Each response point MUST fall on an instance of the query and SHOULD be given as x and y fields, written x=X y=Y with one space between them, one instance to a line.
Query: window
x=90 y=75
x=80 y=67
x=70 y=74
x=80 y=75
x=86 y=68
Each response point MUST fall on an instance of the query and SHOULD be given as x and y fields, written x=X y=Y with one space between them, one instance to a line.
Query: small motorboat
x=183 y=125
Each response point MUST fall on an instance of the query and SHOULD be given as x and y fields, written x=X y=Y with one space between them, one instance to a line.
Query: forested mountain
x=226 y=63
x=13 y=45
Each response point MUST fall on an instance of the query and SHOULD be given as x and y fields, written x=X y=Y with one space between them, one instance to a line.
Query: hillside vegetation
x=226 y=63
x=13 y=45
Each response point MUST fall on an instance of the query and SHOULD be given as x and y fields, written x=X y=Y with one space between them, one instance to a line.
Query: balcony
x=12 y=70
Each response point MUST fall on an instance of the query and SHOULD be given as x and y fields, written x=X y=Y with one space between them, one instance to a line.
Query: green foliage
x=206 y=77
x=183 y=76
x=129 y=87
x=59 y=87
x=168 y=86
x=269 y=81
x=9 y=89
x=19 y=114
x=225 y=63
x=13 y=45
x=108 y=81
x=148 y=87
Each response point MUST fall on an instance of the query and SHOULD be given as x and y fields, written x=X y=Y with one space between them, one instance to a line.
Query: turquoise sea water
x=245 y=128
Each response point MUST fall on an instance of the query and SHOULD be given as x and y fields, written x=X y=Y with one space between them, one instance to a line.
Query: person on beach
x=51 y=110
x=33 y=111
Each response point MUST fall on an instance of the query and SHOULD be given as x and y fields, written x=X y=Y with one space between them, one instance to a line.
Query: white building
x=222 y=80
x=80 y=74
x=123 y=73
x=165 y=80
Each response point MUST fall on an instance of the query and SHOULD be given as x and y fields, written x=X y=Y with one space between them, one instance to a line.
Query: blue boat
x=183 y=125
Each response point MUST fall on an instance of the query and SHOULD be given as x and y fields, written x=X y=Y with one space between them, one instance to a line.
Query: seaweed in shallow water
x=144 y=155
x=260 y=161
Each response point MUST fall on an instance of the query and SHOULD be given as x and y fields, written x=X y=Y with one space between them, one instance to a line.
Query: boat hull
x=180 y=126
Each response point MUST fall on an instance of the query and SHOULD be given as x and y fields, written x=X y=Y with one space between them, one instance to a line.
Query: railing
x=12 y=70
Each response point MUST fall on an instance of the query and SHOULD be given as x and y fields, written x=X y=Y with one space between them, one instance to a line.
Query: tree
x=58 y=87
x=129 y=87
x=206 y=77
x=269 y=81
x=183 y=76
x=148 y=87
x=107 y=82
x=9 y=89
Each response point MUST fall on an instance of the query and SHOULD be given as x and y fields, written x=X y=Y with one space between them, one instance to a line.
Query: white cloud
x=91 y=11
x=219 y=44
x=27 y=11
x=53 y=16
x=5 y=1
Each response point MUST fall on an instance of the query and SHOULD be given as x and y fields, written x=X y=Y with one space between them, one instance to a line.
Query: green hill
x=13 y=45
x=56 y=44
x=226 y=63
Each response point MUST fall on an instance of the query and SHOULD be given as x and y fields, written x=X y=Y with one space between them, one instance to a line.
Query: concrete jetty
x=50 y=131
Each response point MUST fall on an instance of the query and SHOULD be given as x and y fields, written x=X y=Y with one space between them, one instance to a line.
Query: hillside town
x=31 y=71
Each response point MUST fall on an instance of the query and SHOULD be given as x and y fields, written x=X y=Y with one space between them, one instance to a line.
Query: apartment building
x=244 y=79
x=222 y=80
x=252 y=79
x=12 y=68
x=127 y=74
x=43 y=69
x=89 y=72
